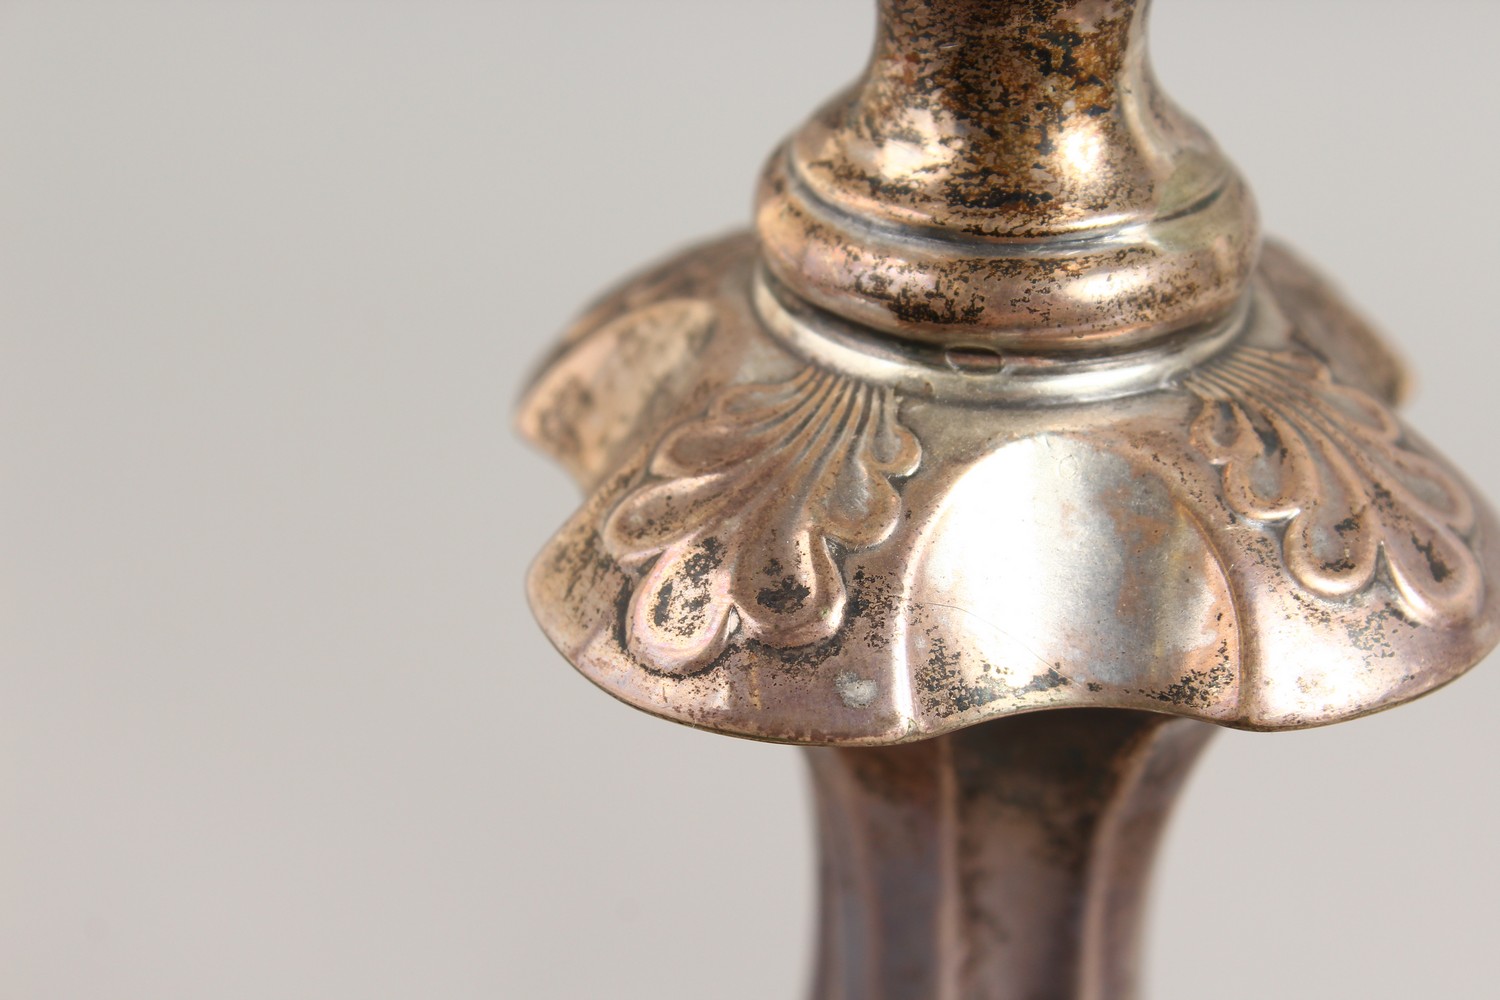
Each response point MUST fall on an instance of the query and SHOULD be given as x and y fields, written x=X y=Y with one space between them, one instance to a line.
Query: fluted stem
x=1004 y=862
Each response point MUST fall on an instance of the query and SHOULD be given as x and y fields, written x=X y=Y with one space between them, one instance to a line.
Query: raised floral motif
x=747 y=511
x=1331 y=464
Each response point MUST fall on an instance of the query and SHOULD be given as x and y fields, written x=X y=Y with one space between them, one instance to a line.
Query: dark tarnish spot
x=681 y=603
x=697 y=571
x=583 y=563
x=1315 y=610
x=1199 y=688
x=798 y=657
x=1372 y=635
x=938 y=657
x=1343 y=565
x=663 y=608
x=623 y=596
x=708 y=557
x=933 y=307
x=941 y=683
x=945 y=691
x=1440 y=570
x=680 y=606
x=1049 y=681
x=1000 y=198
x=872 y=604
x=788 y=596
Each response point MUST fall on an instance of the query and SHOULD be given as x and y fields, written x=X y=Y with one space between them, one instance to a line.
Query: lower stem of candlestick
x=1008 y=861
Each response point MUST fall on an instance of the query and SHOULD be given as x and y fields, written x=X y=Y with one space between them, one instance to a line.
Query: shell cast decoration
x=747 y=511
x=1330 y=463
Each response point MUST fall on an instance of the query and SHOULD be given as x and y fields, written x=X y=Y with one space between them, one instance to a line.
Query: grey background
x=274 y=721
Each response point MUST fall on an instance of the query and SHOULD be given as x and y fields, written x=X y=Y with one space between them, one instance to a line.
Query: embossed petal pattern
x=1331 y=462
x=746 y=511
x=751 y=561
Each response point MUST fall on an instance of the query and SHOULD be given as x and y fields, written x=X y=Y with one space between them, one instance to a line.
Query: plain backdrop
x=274 y=719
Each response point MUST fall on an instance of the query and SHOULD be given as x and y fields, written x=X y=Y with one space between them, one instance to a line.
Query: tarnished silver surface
x=1024 y=179
x=778 y=547
x=1002 y=407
